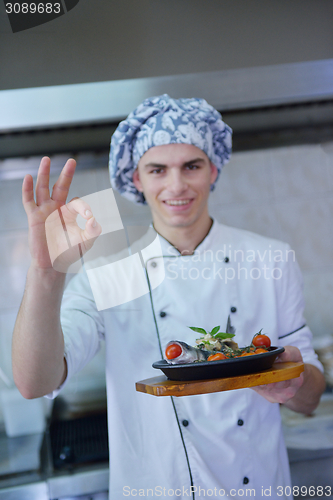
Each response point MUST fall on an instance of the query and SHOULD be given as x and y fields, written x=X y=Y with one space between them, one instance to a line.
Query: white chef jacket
x=227 y=443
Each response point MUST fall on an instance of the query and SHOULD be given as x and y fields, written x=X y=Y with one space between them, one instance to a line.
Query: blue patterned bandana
x=162 y=120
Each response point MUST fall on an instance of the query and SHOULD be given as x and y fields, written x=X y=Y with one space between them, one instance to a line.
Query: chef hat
x=162 y=120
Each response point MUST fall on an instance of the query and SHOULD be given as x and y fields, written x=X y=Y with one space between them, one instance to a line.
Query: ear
x=213 y=173
x=136 y=180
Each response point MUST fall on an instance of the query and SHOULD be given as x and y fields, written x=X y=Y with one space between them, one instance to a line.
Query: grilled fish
x=180 y=352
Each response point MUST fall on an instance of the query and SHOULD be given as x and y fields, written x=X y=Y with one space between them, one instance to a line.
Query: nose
x=177 y=183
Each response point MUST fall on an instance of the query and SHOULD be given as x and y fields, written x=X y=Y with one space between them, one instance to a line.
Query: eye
x=157 y=170
x=192 y=167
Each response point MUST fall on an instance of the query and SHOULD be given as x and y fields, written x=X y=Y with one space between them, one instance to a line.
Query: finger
x=273 y=387
x=287 y=355
x=92 y=228
x=76 y=207
x=282 y=358
x=85 y=237
x=61 y=187
x=28 y=194
x=279 y=386
x=260 y=387
x=43 y=179
x=291 y=353
x=91 y=231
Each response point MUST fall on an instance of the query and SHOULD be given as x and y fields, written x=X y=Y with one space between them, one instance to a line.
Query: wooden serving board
x=162 y=386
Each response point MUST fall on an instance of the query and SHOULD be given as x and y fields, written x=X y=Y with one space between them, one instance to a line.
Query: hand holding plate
x=281 y=392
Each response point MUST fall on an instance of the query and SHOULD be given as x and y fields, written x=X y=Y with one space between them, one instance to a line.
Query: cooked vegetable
x=173 y=351
x=217 y=357
x=215 y=333
x=214 y=340
x=261 y=340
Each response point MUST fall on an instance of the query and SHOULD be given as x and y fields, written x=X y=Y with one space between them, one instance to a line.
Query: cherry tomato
x=261 y=340
x=259 y=350
x=246 y=354
x=217 y=356
x=173 y=351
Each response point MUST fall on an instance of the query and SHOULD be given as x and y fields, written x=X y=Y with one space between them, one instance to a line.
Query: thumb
x=91 y=231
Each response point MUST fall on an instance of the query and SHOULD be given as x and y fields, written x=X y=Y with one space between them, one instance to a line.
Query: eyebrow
x=161 y=165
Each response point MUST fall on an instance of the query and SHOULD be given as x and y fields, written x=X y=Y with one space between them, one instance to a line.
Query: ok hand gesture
x=55 y=239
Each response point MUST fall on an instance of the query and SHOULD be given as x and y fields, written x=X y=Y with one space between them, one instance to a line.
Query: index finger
x=28 y=193
x=61 y=188
x=42 y=183
x=76 y=207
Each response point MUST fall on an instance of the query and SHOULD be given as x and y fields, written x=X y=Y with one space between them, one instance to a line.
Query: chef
x=169 y=154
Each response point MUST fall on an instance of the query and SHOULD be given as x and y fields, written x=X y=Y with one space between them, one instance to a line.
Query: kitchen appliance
x=79 y=441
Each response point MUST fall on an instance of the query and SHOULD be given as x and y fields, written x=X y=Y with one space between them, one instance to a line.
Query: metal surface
x=80 y=483
x=19 y=454
x=35 y=491
x=88 y=103
x=17 y=168
x=266 y=106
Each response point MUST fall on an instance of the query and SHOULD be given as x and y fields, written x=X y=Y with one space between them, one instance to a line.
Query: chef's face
x=175 y=180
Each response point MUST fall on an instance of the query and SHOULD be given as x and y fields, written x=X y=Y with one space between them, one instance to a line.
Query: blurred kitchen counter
x=309 y=440
x=26 y=472
x=86 y=481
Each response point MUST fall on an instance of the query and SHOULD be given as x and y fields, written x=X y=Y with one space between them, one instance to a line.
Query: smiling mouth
x=177 y=202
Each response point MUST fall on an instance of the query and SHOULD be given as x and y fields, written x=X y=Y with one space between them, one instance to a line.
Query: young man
x=169 y=153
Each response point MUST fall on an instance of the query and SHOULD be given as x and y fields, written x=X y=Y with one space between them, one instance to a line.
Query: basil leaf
x=223 y=336
x=198 y=330
x=215 y=330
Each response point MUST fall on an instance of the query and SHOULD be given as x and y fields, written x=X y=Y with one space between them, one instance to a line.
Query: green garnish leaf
x=215 y=330
x=224 y=336
x=198 y=330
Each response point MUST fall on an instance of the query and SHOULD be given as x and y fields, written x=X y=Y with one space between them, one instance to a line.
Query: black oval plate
x=203 y=370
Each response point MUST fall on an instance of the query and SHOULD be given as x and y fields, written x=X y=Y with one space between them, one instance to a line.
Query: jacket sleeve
x=82 y=326
x=292 y=327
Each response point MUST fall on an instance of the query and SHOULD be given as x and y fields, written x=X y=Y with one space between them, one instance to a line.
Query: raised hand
x=52 y=222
